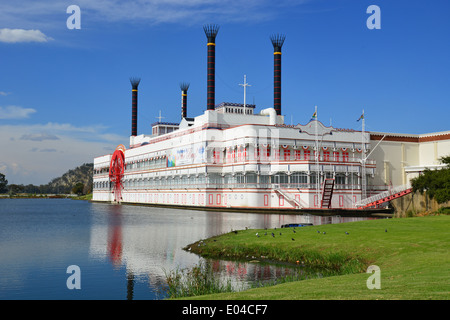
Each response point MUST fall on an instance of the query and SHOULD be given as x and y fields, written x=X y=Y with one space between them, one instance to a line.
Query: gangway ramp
x=386 y=196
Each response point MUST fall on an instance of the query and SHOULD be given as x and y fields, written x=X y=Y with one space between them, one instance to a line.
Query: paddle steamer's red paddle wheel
x=116 y=171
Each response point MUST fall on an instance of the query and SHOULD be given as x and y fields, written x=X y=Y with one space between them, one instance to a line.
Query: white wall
x=399 y=161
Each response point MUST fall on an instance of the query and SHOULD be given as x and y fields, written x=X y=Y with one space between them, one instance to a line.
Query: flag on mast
x=314 y=116
x=362 y=116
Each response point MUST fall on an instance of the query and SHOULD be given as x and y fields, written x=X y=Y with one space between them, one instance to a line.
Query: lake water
x=122 y=250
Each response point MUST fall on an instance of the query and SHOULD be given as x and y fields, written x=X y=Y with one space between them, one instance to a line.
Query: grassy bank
x=46 y=196
x=198 y=280
x=84 y=197
x=411 y=253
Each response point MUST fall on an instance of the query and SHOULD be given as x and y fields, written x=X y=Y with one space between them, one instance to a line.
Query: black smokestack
x=277 y=42
x=184 y=88
x=134 y=96
x=211 y=33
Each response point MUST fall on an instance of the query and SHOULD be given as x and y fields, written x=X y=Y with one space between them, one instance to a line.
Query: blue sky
x=65 y=95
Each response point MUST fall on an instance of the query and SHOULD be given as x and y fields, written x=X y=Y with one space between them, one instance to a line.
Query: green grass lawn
x=413 y=257
x=84 y=197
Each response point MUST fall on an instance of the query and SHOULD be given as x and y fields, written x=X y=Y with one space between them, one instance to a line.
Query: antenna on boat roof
x=245 y=85
x=160 y=117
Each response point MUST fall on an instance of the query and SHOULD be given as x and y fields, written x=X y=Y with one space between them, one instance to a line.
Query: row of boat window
x=238 y=110
x=299 y=179
x=242 y=154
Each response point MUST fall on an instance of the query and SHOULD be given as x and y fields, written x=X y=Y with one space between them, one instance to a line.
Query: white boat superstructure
x=225 y=158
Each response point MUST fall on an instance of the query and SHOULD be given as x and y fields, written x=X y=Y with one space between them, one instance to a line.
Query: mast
x=317 y=158
x=245 y=85
x=160 y=117
x=363 y=162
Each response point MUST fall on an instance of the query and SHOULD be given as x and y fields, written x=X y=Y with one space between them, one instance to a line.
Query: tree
x=15 y=188
x=88 y=187
x=3 y=183
x=435 y=182
x=78 y=188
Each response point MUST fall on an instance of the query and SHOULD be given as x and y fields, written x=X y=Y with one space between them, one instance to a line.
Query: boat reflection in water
x=245 y=275
x=148 y=241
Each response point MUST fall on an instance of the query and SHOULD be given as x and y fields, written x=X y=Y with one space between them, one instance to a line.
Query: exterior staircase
x=386 y=196
x=327 y=193
x=287 y=196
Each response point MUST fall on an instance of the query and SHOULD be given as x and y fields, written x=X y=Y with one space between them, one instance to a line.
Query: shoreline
x=46 y=196
x=390 y=244
x=357 y=213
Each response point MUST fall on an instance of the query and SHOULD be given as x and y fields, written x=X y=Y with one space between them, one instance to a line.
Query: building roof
x=164 y=123
x=232 y=104
x=403 y=137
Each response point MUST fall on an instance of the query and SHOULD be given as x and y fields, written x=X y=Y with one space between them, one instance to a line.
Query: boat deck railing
x=159 y=163
x=142 y=185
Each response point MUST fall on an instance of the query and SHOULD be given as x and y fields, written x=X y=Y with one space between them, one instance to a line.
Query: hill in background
x=70 y=179
x=78 y=180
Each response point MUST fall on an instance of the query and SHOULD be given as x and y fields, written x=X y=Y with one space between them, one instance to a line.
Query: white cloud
x=3 y=93
x=180 y=11
x=39 y=136
x=48 y=14
x=38 y=153
x=22 y=35
x=15 y=112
